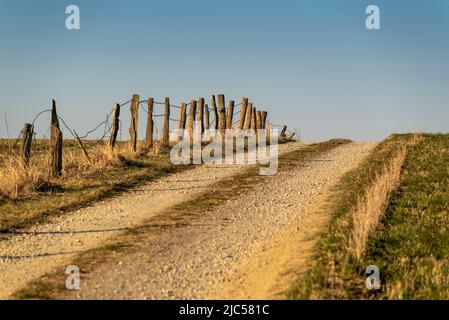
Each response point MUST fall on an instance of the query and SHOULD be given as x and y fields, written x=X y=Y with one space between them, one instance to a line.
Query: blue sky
x=312 y=64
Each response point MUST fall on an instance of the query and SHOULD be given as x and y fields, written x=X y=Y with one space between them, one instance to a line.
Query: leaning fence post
x=165 y=140
x=230 y=114
x=115 y=126
x=149 y=137
x=243 y=112
x=55 y=144
x=134 y=121
x=27 y=139
x=283 y=136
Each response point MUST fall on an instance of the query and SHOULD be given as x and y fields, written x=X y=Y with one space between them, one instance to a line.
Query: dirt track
x=35 y=251
x=246 y=249
x=243 y=249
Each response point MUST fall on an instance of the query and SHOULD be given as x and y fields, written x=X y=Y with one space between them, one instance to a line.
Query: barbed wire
x=108 y=127
x=125 y=103
x=39 y=114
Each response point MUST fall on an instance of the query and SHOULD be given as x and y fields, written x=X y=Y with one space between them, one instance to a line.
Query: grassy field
x=29 y=196
x=411 y=245
x=356 y=206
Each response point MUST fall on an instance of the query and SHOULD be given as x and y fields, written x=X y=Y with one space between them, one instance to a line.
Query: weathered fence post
x=264 y=119
x=165 y=140
x=214 y=110
x=55 y=144
x=269 y=131
x=191 y=119
x=115 y=126
x=134 y=121
x=27 y=139
x=259 y=120
x=243 y=112
x=82 y=147
x=207 y=122
x=182 y=121
x=200 y=116
x=248 y=116
x=230 y=114
x=253 y=119
x=283 y=136
x=221 y=114
x=149 y=136
x=207 y=117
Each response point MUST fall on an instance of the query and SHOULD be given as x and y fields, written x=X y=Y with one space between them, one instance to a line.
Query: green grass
x=411 y=247
x=336 y=273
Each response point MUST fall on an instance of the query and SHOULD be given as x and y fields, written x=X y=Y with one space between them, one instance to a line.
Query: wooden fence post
x=165 y=141
x=27 y=139
x=243 y=112
x=264 y=119
x=221 y=114
x=115 y=126
x=283 y=136
x=259 y=120
x=134 y=121
x=270 y=131
x=230 y=114
x=182 y=121
x=200 y=116
x=207 y=117
x=207 y=121
x=191 y=119
x=253 y=119
x=248 y=116
x=214 y=110
x=149 y=136
x=55 y=144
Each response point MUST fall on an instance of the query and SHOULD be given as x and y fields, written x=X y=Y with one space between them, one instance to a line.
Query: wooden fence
x=197 y=111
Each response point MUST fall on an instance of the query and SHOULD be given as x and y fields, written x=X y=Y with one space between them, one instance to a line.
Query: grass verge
x=357 y=203
x=412 y=244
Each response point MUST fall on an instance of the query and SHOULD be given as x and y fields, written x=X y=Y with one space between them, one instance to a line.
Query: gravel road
x=250 y=248
x=30 y=253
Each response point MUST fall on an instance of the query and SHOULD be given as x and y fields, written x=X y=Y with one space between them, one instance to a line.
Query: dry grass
x=17 y=182
x=358 y=203
x=29 y=196
x=372 y=202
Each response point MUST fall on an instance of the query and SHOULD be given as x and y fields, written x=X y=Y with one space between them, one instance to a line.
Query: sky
x=312 y=64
